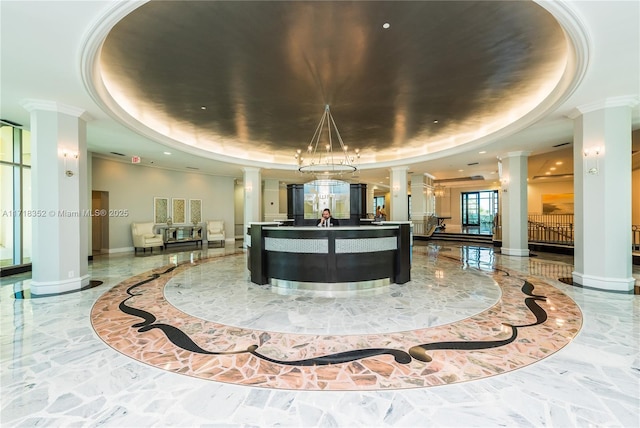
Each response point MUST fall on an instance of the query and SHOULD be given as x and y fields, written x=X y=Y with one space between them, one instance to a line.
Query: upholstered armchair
x=144 y=237
x=215 y=231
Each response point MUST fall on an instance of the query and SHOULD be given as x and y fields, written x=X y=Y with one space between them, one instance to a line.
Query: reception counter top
x=335 y=255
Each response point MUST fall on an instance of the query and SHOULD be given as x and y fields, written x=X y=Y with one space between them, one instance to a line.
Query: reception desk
x=339 y=255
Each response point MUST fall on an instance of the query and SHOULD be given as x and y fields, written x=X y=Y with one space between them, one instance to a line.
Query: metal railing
x=551 y=228
x=425 y=227
x=556 y=229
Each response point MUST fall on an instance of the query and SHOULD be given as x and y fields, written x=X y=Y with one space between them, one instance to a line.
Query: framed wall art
x=178 y=210
x=160 y=209
x=195 y=211
x=557 y=203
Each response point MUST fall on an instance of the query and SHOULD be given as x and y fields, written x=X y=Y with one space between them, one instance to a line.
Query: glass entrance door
x=479 y=210
x=471 y=209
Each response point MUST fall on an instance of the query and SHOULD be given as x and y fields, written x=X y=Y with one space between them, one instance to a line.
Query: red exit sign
x=135 y=159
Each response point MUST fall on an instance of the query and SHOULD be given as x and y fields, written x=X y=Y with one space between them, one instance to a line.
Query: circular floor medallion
x=531 y=321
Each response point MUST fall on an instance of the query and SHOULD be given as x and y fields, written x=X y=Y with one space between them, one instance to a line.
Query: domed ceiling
x=248 y=81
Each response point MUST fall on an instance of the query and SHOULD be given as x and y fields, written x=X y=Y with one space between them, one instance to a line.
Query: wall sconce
x=591 y=161
x=396 y=189
x=504 y=183
x=74 y=160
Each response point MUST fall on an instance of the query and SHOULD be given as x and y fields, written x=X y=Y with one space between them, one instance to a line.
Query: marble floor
x=474 y=339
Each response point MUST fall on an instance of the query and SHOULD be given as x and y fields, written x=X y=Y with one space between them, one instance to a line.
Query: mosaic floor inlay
x=510 y=322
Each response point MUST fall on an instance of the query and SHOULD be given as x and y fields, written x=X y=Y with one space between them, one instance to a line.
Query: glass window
x=26 y=148
x=15 y=196
x=27 y=221
x=6 y=215
x=6 y=144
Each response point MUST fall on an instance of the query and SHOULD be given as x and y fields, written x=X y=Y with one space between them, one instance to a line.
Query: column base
x=515 y=252
x=57 y=287
x=624 y=285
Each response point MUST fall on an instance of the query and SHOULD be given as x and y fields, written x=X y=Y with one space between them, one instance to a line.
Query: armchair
x=144 y=237
x=215 y=231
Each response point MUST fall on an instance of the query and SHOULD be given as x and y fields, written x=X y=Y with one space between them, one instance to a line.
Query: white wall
x=133 y=187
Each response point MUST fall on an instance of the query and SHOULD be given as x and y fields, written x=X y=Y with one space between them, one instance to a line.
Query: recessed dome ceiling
x=265 y=70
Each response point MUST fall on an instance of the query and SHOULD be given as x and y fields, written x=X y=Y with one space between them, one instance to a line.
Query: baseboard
x=14 y=270
x=121 y=250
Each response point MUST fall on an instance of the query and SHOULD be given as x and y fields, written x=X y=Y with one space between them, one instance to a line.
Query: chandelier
x=439 y=191
x=326 y=161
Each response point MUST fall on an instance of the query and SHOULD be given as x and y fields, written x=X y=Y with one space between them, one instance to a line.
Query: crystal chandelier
x=327 y=162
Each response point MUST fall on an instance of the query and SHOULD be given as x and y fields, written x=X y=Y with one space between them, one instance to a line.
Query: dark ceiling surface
x=265 y=70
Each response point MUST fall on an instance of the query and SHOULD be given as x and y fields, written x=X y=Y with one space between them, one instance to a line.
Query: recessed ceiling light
x=553 y=168
x=203 y=108
x=559 y=163
x=435 y=121
x=386 y=25
x=460 y=170
x=482 y=152
x=547 y=173
x=167 y=153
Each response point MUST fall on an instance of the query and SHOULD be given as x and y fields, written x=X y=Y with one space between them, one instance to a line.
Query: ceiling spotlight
x=386 y=25
x=435 y=121
x=203 y=108
x=167 y=153
x=482 y=152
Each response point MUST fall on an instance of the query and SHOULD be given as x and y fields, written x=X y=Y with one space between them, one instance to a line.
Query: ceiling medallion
x=327 y=162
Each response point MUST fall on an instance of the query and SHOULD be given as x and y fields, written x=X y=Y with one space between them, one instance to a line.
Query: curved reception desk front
x=294 y=256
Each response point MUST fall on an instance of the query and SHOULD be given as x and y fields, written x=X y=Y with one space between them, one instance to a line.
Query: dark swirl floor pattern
x=531 y=321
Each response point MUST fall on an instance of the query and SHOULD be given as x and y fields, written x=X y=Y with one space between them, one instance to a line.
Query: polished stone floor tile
x=577 y=368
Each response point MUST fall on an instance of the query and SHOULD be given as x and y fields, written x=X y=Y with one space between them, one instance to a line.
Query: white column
x=271 y=199
x=602 y=195
x=399 y=210
x=370 y=195
x=515 y=239
x=420 y=194
x=59 y=196
x=252 y=198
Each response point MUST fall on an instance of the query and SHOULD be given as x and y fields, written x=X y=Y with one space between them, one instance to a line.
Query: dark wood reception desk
x=348 y=255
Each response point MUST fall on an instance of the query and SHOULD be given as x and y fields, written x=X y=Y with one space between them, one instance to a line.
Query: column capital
x=32 y=105
x=250 y=169
x=622 y=101
x=517 y=154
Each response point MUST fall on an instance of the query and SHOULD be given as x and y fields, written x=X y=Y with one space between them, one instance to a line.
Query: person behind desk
x=327 y=220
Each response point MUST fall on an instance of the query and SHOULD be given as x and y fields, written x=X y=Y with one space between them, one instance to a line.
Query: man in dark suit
x=327 y=220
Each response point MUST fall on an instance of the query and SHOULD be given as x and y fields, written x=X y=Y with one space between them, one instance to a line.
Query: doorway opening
x=478 y=211
x=99 y=223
